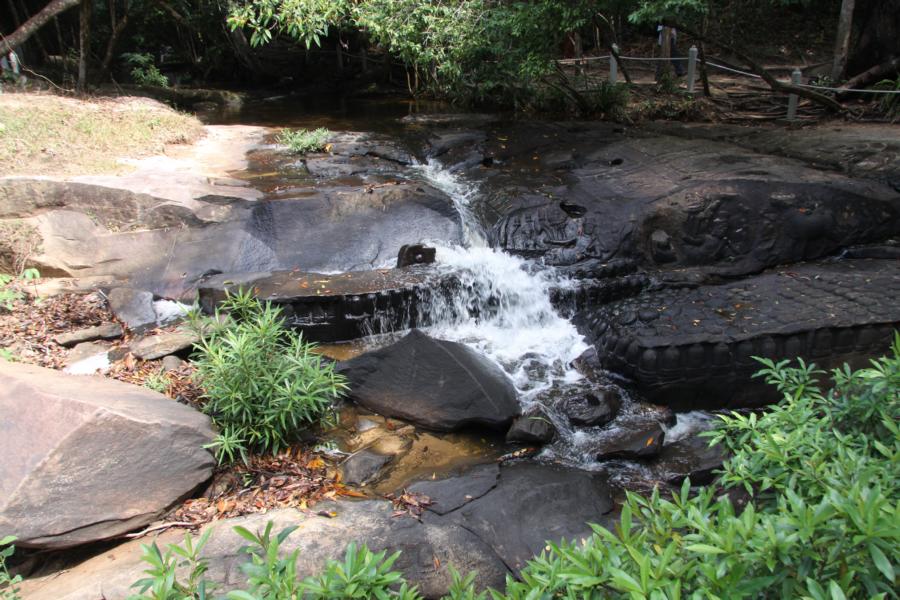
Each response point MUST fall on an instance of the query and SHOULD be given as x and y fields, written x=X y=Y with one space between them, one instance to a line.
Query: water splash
x=502 y=306
x=502 y=309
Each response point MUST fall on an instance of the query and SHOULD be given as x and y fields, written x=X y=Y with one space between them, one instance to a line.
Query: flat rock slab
x=84 y=459
x=440 y=385
x=330 y=308
x=132 y=307
x=164 y=343
x=106 y=331
x=533 y=503
x=449 y=494
x=693 y=348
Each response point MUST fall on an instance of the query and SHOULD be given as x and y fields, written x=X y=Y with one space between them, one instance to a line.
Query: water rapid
x=502 y=307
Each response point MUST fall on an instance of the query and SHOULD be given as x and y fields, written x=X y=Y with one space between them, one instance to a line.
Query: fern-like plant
x=301 y=141
x=263 y=383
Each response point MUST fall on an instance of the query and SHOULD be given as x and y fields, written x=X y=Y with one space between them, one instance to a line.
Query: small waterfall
x=502 y=306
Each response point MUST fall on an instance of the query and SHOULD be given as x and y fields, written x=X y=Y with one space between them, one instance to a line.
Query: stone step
x=694 y=348
x=340 y=307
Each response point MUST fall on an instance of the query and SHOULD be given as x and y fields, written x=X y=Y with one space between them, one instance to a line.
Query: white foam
x=168 y=311
x=99 y=363
x=688 y=424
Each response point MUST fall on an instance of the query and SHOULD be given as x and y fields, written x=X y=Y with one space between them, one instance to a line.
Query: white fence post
x=792 y=99
x=692 y=69
x=613 y=65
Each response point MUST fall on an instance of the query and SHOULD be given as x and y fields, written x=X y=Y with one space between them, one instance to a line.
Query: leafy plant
x=158 y=382
x=822 y=472
x=10 y=291
x=890 y=103
x=143 y=69
x=262 y=382
x=301 y=141
x=362 y=574
x=269 y=576
x=9 y=585
x=162 y=582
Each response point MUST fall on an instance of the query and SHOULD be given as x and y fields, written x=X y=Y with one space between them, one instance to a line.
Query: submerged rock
x=363 y=466
x=631 y=440
x=440 y=385
x=84 y=459
x=591 y=407
x=533 y=427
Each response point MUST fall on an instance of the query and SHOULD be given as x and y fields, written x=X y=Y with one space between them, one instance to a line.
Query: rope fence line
x=691 y=59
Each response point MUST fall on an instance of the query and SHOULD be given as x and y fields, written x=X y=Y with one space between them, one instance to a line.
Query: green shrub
x=301 y=141
x=144 y=71
x=162 y=582
x=262 y=382
x=10 y=291
x=9 y=589
x=270 y=576
x=824 y=522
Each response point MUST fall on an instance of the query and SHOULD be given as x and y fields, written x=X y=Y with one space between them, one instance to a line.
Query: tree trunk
x=842 y=43
x=878 y=24
x=873 y=75
x=118 y=26
x=84 y=43
x=18 y=37
x=665 y=66
x=339 y=54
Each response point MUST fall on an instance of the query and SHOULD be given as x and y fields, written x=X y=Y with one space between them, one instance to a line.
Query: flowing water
x=503 y=310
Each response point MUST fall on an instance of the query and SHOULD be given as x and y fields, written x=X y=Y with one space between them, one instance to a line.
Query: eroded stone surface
x=686 y=347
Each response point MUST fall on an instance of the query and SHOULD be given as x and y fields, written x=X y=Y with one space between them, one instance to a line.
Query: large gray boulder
x=84 y=459
x=437 y=384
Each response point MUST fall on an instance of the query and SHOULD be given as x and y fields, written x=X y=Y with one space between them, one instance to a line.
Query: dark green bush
x=263 y=384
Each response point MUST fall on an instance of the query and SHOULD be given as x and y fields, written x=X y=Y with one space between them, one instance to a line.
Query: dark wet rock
x=84 y=459
x=362 y=467
x=449 y=494
x=340 y=307
x=631 y=440
x=106 y=331
x=438 y=384
x=691 y=457
x=589 y=406
x=697 y=351
x=671 y=201
x=133 y=307
x=533 y=503
x=164 y=343
x=415 y=254
x=423 y=547
x=532 y=427
x=354 y=144
x=443 y=142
